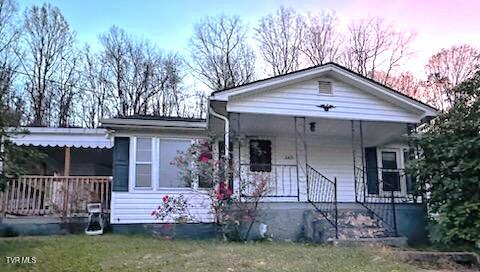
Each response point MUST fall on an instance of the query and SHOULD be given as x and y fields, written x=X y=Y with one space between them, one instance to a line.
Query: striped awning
x=62 y=137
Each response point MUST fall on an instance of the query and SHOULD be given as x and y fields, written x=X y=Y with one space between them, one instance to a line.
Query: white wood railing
x=65 y=196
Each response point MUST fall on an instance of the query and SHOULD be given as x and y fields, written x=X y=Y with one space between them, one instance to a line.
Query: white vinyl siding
x=303 y=99
x=136 y=205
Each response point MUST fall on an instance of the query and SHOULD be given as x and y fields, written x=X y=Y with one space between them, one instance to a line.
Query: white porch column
x=301 y=157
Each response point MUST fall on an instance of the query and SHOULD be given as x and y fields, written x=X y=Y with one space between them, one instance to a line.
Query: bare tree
x=170 y=95
x=143 y=80
x=97 y=97
x=221 y=57
x=448 y=68
x=47 y=39
x=280 y=36
x=122 y=72
x=373 y=45
x=9 y=36
x=434 y=89
x=321 y=43
x=66 y=90
x=405 y=83
x=200 y=107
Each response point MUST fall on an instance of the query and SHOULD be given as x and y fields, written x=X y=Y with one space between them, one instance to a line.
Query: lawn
x=129 y=253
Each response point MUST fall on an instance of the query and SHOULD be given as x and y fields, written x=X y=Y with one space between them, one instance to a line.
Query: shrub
x=448 y=167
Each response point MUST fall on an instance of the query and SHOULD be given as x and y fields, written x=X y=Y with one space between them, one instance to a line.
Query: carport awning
x=63 y=137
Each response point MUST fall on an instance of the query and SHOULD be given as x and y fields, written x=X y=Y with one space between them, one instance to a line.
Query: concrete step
x=360 y=232
x=352 y=225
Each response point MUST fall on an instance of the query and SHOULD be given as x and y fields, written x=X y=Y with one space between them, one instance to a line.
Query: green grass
x=129 y=253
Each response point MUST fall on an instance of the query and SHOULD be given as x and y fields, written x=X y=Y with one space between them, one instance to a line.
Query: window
x=390 y=174
x=169 y=174
x=143 y=162
x=260 y=155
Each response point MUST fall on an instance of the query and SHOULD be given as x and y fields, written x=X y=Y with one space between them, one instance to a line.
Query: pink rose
x=165 y=199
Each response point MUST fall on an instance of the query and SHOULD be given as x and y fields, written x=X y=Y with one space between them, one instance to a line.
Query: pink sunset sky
x=437 y=23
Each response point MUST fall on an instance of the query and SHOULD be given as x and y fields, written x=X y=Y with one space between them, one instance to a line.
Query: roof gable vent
x=325 y=87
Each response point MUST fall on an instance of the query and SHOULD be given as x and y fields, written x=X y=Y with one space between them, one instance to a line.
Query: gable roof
x=314 y=71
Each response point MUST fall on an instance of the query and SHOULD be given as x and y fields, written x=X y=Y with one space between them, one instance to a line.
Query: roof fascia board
x=57 y=131
x=152 y=123
x=386 y=93
x=120 y=126
x=274 y=82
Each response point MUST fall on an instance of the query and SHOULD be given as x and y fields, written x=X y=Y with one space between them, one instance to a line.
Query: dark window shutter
x=120 y=164
x=260 y=155
x=371 y=169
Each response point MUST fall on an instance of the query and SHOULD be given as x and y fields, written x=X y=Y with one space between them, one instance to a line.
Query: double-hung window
x=143 y=162
x=154 y=163
x=390 y=172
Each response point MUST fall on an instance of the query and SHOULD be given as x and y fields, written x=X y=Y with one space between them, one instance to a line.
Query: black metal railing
x=379 y=190
x=281 y=179
x=322 y=194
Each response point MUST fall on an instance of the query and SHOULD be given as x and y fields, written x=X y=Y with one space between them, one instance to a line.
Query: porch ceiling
x=374 y=133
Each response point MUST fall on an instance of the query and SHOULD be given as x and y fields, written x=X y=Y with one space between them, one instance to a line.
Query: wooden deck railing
x=54 y=195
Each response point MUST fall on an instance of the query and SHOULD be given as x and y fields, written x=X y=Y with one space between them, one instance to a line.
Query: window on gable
x=325 y=87
x=143 y=162
x=260 y=155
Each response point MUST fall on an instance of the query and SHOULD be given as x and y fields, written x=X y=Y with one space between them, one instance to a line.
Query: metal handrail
x=322 y=194
x=381 y=206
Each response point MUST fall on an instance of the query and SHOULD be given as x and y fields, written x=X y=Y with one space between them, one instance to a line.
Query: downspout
x=227 y=133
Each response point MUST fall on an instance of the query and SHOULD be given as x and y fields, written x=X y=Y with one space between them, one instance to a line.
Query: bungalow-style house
x=332 y=143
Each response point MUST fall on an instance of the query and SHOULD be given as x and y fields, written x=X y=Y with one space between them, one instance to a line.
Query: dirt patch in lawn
x=441 y=261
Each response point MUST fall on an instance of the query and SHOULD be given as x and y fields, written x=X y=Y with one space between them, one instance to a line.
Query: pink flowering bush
x=234 y=214
x=173 y=207
x=197 y=165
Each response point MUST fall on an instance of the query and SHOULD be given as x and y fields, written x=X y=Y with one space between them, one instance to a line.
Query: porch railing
x=54 y=195
x=322 y=194
x=381 y=198
x=282 y=179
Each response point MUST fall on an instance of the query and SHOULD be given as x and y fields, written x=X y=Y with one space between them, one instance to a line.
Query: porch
x=325 y=162
x=75 y=170
x=297 y=154
x=61 y=196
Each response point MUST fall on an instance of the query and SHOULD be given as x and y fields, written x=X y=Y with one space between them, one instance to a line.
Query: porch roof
x=62 y=137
